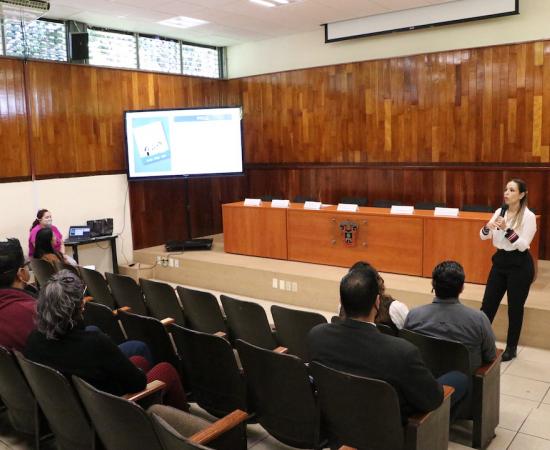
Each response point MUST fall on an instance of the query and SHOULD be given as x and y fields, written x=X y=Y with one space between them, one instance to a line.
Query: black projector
x=191 y=244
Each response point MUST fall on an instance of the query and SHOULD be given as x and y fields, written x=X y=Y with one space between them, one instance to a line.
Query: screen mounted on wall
x=184 y=142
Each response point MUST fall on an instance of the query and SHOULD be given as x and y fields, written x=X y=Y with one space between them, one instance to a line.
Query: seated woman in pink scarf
x=44 y=220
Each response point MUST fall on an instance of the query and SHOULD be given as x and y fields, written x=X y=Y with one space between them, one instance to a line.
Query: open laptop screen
x=79 y=233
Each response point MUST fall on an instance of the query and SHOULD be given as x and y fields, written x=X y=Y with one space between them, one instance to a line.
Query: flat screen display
x=184 y=142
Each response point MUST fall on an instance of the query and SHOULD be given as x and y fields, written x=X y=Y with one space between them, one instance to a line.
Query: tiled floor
x=524 y=409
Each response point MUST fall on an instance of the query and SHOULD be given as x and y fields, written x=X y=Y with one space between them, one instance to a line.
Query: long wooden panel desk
x=406 y=244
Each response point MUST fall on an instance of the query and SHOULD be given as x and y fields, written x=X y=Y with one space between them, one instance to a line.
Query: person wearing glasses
x=17 y=304
x=61 y=341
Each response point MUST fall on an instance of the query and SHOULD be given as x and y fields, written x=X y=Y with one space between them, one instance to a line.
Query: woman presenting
x=44 y=220
x=512 y=229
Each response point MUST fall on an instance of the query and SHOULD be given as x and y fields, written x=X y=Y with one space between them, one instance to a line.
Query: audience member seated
x=61 y=341
x=447 y=318
x=44 y=247
x=391 y=311
x=354 y=345
x=17 y=305
x=44 y=220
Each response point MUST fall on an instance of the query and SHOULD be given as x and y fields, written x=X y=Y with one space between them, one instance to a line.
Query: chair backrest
x=428 y=205
x=293 y=327
x=361 y=201
x=358 y=412
x=153 y=333
x=216 y=380
x=60 y=265
x=119 y=423
x=42 y=270
x=102 y=317
x=170 y=438
x=282 y=394
x=248 y=321
x=16 y=394
x=477 y=208
x=304 y=198
x=126 y=292
x=60 y=405
x=162 y=300
x=439 y=355
x=97 y=287
x=385 y=203
x=202 y=310
x=386 y=329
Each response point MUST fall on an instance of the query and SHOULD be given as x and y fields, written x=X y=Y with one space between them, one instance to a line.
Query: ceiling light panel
x=182 y=22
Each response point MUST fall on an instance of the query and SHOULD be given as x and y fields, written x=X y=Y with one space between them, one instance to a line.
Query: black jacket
x=360 y=349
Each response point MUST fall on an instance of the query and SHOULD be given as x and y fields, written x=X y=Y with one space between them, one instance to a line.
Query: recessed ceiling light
x=281 y=2
x=263 y=3
x=272 y=3
x=182 y=22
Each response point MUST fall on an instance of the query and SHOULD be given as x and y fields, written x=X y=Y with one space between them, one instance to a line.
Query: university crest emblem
x=348 y=230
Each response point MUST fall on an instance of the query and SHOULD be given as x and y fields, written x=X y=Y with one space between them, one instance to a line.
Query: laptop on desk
x=79 y=233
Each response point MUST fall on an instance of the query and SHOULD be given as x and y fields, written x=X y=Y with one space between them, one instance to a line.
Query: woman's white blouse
x=526 y=232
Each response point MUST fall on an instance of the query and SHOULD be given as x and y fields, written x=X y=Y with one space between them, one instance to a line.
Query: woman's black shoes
x=509 y=354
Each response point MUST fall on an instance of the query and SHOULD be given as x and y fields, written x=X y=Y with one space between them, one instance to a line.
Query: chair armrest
x=88 y=298
x=152 y=387
x=484 y=370
x=221 y=334
x=280 y=350
x=167 y=321
x=419 y=418
x=123 y=309
x=219 y=427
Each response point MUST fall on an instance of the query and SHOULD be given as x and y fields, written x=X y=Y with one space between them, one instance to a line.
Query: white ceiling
x=231 y=22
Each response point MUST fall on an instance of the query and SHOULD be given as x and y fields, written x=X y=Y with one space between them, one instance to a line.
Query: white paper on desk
x=347 y=207
x=280 y=203
x=312 y=205
x=252 y=202
x=446 y=212
x=399 y=209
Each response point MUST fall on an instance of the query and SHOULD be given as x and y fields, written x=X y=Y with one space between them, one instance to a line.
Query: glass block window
x=113 y=49
x=159 y=54
x=201 y=61
x=39 y=39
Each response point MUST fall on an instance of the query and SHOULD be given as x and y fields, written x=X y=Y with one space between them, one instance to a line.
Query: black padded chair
x=60 y=405
x=42 y=270
x=478 y=208
x=271 y=197
x=152 y=332
x=381 y=203
x=217 y=383
x=375 y=425
x=482 y=405
x=105 y=319
x=303 y=199
x=292 y=327
x=97 y=287
x=202 y=311
x=162 y=300
x=126 y=292
x=361 y=201
x=429 y=205
x=60 y=265
x=22 y=409
x=283 y=396
x=386 y=329
x=248 y=321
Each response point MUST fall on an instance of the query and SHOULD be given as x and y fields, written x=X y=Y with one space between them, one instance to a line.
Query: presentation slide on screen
x=184 y=142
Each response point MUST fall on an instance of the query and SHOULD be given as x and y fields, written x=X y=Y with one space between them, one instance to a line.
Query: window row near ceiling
x=43 y=39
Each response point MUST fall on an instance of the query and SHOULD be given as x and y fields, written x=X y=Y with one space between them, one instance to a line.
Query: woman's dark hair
x=39 y=216
x=11 y=259
x=448 y=279
x=43 y=243
x=59 y=306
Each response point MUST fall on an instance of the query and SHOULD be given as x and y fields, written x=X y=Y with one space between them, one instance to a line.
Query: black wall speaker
x=79 y=46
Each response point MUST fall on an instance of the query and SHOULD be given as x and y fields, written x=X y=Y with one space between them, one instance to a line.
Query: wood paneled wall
x=14 y=155
x=479 y=105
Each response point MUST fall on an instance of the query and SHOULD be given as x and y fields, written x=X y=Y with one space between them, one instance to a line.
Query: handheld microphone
x=503 y=209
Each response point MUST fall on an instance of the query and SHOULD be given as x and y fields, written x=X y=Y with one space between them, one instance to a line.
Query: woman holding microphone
x=512 y=229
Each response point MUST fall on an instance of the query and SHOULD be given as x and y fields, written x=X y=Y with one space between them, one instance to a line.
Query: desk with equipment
x=404 y=244
x=74 y=242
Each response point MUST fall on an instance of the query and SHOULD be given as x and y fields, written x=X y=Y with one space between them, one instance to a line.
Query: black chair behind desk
x=162 y=300
x=97 y=287
x=483 y=402
x=283 y=396
x=381 y=203
x=303 y=199
x=360 y=201
x=112 y=242
x=126 y=292
x=376 y=424
x=105 y=319
x=428 y=205
x=478 y=208
x=42 y=270
x=248 y=321
x=217 y=384
x=292 y=327
x=22 y=408
x=202 y=311
x=60 y=405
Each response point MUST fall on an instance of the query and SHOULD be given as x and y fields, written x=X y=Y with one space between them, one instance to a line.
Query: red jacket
x=17 y=314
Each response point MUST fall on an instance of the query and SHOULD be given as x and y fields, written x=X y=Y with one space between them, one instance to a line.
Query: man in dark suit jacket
x=355 y=346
